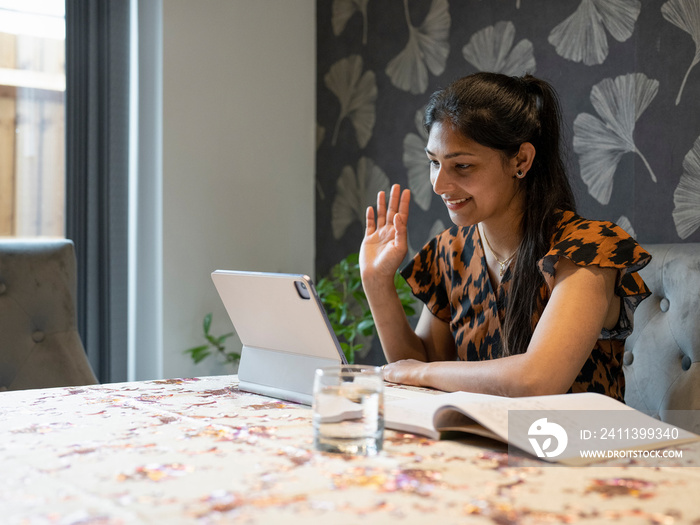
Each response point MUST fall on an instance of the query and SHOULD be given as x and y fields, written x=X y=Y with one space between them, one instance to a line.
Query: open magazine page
x=581 y=421
x=593 y=427
x=396 y=392
x=493 y=411
x=415 y=414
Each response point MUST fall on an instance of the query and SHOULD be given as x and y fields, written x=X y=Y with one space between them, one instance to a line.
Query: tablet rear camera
x=302 y=290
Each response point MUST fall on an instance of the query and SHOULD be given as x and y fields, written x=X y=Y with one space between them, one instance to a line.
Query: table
x=201 y=451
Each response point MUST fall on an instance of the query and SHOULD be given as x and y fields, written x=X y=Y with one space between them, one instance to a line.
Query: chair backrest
x=661 y=356
x=39 y=342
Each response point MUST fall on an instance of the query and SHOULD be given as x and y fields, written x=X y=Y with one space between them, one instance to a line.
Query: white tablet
x=284 y=330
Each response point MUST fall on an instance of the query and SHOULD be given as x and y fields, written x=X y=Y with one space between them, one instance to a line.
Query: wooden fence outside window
x=32 y=136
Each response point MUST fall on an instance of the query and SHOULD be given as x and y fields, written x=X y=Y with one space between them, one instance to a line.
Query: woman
x=522 y=296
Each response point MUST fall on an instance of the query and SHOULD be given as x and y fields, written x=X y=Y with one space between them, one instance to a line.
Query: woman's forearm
x=507 y=376
x=512 y=376
x=398 y=339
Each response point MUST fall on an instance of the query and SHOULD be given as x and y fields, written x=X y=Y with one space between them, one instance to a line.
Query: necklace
x=502 y=263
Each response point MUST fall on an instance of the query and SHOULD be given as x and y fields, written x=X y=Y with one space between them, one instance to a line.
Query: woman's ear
x=524 y=159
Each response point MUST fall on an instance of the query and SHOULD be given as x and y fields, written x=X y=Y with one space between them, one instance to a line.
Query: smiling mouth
x=455 y=202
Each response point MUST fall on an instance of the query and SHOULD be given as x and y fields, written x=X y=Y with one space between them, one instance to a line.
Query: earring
x=520 y=174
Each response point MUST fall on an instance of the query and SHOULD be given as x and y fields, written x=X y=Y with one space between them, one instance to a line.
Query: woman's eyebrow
x=451 y=155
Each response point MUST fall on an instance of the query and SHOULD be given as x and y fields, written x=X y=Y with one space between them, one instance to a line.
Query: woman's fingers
x=398 y=204
x=401 y=218
x=404 y=202
x=400 y=239
x=371 y=224
x=394 y=198
x=381 y=209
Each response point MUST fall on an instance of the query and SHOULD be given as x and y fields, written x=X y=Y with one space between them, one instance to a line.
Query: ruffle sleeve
x=604 y=244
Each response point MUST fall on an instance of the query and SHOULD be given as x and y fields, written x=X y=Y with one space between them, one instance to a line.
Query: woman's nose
x=440 y=181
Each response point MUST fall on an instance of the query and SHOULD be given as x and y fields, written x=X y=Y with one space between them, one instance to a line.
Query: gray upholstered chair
x=39 y=342
x=661 y=356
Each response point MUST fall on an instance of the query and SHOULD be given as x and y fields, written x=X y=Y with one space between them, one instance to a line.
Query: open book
x=565 y=428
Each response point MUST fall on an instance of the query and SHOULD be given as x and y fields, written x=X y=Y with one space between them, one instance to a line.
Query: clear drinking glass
x=348 y=409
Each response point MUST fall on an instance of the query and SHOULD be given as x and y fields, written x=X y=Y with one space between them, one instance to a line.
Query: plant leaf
x=232 y=357
x=409 y=310
x=366 y=326
x=357 y=94
x=624 y=223
x=220 y=340
x=581 y=37
x=601 y=143
x=207 y=323
x=197 y=349
x=354 y=193
x=619 y=16
x=350 y=316
x=600 y=151
x=199 y=353
x=415 y=162
x=427 y=48
x=343 y=11
x=349 y=352
x=491 y=50
x=433 y=36
x=686 y=198
x=685 y=14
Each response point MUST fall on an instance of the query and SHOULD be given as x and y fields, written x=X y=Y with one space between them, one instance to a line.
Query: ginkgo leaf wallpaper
x=625 y=71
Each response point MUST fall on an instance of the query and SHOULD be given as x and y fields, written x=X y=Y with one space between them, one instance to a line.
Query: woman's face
x=475 y=182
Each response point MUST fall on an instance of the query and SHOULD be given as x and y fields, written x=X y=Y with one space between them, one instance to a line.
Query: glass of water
x=348 y=409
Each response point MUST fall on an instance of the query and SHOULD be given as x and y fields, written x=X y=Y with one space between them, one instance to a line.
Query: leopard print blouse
x=450 y=276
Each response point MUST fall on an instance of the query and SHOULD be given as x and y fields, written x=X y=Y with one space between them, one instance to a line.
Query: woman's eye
x=433 y=163
x=462 y=166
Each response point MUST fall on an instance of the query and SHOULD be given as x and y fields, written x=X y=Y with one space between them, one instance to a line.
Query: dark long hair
x=502 y=112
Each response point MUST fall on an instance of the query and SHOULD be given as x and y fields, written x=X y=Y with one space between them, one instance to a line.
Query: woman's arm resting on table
x=583 y=301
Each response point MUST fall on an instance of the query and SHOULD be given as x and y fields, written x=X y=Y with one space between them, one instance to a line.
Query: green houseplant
x=345 y=303
x=213 y=344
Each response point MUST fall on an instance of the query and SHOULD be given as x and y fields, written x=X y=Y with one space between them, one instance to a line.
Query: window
x=32 y=118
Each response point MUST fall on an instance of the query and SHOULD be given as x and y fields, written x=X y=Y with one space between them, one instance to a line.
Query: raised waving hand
x=385 y=243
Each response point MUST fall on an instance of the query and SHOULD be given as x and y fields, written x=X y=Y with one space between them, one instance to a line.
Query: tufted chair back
x=39 y=342
x=661 y=361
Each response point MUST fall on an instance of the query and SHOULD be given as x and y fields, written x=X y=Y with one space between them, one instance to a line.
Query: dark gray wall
x=373 y=80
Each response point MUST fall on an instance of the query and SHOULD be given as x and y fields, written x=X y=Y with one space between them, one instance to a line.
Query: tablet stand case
x=279 y=374
x=285 y=336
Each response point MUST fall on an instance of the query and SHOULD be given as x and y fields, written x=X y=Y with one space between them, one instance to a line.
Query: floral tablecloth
x=201 y=451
